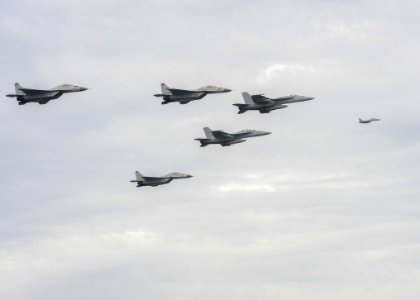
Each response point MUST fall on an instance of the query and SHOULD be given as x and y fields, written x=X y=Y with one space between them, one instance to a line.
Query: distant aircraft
x=25 y=95
x=185 y=96
x=226 y=139
x=368 y=120
x=265 y=105
x=155 y=181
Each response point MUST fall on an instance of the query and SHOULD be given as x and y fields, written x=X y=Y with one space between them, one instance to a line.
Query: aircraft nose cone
x=227 y=90
x=265 y=133
x=83 y=89
x=310 y=98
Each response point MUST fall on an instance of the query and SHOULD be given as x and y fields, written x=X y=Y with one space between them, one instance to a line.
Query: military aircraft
x=264 y=104
x=368 y=120
x=184 y=96
x=25 y=95
x=226 y=139
x=155 y=181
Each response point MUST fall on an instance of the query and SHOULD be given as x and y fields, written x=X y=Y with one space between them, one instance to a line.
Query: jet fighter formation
x=185 y=96
x=265 y=105
x=226 y=139
x=257 y=102
x=25 y=95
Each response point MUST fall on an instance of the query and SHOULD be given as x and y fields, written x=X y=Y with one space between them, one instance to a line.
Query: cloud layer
x=323 y=208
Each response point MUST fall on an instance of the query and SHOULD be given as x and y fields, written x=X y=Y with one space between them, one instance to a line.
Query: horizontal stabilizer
x=203 y=142
x=242 y=107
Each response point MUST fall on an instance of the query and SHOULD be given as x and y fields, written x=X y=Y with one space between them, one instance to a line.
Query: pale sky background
x=323 y=208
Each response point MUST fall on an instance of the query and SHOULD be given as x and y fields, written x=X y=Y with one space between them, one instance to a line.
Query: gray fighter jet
x=24 y=95
x=264 y=104
x=184 y=96
x=368 y=120
x=226 y=139
x=155 y=181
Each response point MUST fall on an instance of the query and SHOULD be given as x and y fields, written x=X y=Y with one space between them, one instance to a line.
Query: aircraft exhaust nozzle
x=203 y=142
x=241 y=107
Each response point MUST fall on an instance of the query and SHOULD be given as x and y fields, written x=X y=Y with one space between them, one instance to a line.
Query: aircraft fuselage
x=40 y=97
x=189 y=97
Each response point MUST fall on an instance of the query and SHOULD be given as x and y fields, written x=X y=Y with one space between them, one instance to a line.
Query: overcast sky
x=324 y=208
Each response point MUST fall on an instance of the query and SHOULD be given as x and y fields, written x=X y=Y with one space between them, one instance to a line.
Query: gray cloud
x=322 y=208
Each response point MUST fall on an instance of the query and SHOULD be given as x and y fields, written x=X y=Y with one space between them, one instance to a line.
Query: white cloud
x=286 y=72
x=323 y=208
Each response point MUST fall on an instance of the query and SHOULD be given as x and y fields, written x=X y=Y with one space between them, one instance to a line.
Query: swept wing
x=261 y=99
x=34 y=91
x=218 y=134
x=148 y=178
x=178 y=92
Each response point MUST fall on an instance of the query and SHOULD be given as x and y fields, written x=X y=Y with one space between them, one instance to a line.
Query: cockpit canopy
x=66 y=86
x=209 y=88
x=245 y=131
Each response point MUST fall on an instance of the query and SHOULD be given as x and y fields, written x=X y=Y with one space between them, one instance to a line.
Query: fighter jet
x=155 y=181
x=226 y=139
x=185 y=96
x=368 y=120
x=264 y=104
x=25 y=95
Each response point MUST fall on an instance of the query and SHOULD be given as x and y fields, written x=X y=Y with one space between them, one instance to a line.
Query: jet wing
x=218 y=134
x=178 y=92
x=146 y=178
x=260 y=98
x=33 y=91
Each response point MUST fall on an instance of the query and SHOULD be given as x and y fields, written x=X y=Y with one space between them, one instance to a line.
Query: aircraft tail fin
x=139 y=176
x=360 y=120
x=247 y=98
x=208 y=133
x=165 y=89
x=18 y=88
